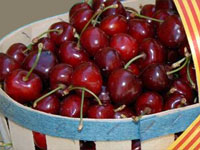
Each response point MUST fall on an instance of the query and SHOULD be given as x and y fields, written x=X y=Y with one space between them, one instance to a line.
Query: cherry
x=87 y=145
x=46 y=61
x=104 y=95
x=136 y=145
x=140 y=29
x=152 y=51
x=133 y=68
x=97 y=3
x=108 y=60
x=104 y=111
x=175 y=100
x=155 y=78
x=50 y=104
x=96 y=39
x=40 y=140
x=76 y=7
x=48 y=44
x=124 y=113
x=165 y=4
x=149 y=103
x=171 y=32
x=16 y=51
x=184 y=47
x=70 y=53
x=125 y=45
x=71 y=106
x=148 y=10
x=66 y=34
x=20 y=89
x=172 y=56
x=114 y=24
x=87 y=75
x=80 y=18
x=123 y=86
x=8 y=64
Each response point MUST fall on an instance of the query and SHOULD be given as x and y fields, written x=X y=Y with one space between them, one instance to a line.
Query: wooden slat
x=54 y=143
x=22 y=139
x=113 y=145
x=160 y=143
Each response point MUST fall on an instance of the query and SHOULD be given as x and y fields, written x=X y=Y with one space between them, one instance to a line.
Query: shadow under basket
x=156 y=132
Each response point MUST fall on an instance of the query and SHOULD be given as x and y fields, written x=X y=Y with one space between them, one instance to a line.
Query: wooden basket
x=156 y=131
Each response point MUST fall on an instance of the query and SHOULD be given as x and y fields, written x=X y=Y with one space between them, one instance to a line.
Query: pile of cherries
x=109 y=61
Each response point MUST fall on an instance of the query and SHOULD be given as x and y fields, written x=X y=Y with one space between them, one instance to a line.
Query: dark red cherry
x=16 y=52
x=104 y=95
x=114 y=24
x=40 y=140
x=172 y=56
x=108 y=60
x=153 y=52
x=184 y=48
x=136 y=145
x=71 y=54
x=175 y=100
x=148 y=10
x=76 y=7
x=165 y=4
x=46 y=61
x=140 y=29
x=87 y=75
x=87 y=145
x=50 y=104
x=21 y=90
x=123 y=86
x=97 y=3
x=155 y=78
x=133 y=68
x=96 y=39
x=181 y=87
x=125 y=45
x=171 y=32
x=149 y=103
x=8 y=64
x=48 y=44
x=66 y=34
x=71 y=106
x=80 y=18
x=104 y=111
x=126 y=112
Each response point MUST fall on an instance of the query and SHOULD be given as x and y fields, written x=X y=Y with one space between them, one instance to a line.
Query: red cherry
x=80 y=18
x=114 y=24
x=148 y=10
x=172 y=56
x=104 y=95
x=40 y=140
x=165 y=4
x=96 y=39
x=97 y=3
x=76 y=7
x=50 y=104
x=123 y=86
x=171 y=32
x=125 y=45
x=87 y=75
x=133 y=68
x=104 y=111
x=136 y=145
x=16 y=52
x=184 y=48
x=126 y=112
x=149 y=103
x=140 y=29
x=8 y=64
x=46 y=62
x=66 y=34
x=108 y=60
x=71 y=106
x=71 y=54
x=19 y=89
x=87 y=145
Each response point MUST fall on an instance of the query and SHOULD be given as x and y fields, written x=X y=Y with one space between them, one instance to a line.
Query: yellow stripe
x=195 y=144
x=196 y=9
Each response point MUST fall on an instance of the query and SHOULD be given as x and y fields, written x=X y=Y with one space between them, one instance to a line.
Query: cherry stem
x=120 y=108
x=178 y=63
x=5 y=144
x=183 y=102
x=130 y=9
x=40 y=46
x=189 y=76
x=134 y=59
x=123 y=116
x=85 y=89
x=60 y=87
x=80 y=127
x=146 y=111
x=106 y=8
x=133 y=13
x=35 y=40
x=181 y=67
x=29 y=47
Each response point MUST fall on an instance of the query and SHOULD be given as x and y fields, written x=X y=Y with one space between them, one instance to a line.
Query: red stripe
x=198 y=3
x=191 y=30
x=193 y=141
x=187 y=135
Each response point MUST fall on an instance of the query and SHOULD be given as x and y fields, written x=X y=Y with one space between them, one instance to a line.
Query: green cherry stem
x=40 y=46
x=29 y=47
x=120 y=108
x=80 y=127
x=178 y=63
x=146 y=111
x=189 y=76
x=60 y=87
x=86 y=90
x=143 y=55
